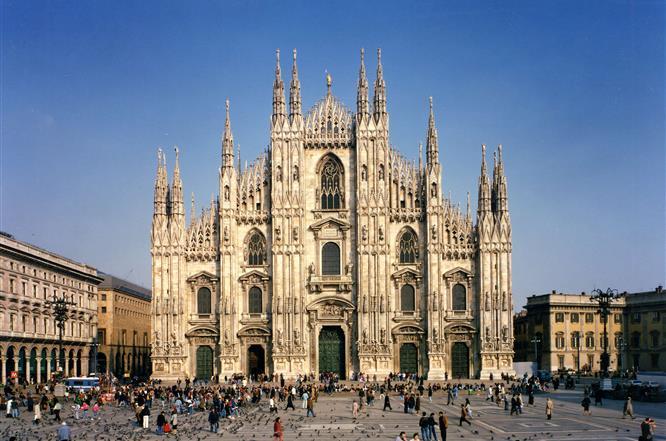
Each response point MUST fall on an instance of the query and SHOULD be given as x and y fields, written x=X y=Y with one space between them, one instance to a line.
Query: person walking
x=57 y=407
x=549 y=408
x=430 y=392
x=355 y=409
x=290 y=402
x=387 y=402
x=161 y=421
x=443 y=425
x=310 y=405
x=278 y=434
x=38 y=415
x=450 y=399
x=417 y=406
x=305 y=397
x=272 y=407
x=586 y=405
x=647 y=429
x=463 y=415
x=628 y=409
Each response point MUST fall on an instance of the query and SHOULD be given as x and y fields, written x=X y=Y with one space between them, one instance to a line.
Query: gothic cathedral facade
x=331 y=253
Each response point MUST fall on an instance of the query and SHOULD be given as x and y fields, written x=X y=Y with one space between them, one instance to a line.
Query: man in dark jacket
x=443 y=425
x=387 y=402
x=425 y=427
x=431 y=427
x=214 y=420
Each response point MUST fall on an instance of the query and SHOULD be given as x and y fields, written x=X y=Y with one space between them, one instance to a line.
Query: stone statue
x=433 y=230
x=278 y=234
x=226 y=193
x=365 y=337
x=504 y=300
x=435 y=335
x=297 y=338
x=311 y=269
x=364 y=233
x=382 y=338
x=278 y=173
x=156 y=338
x=279 y=305
x=295 y=173
x=294 y=234
x=487 y=301
x=348 y=268
x=381 y=234
x=226 y=234
x=227 y=342
x=279 y=336
x=505 y=333
x=487 y=332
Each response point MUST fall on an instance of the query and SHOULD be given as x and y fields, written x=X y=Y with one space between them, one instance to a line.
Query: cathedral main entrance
x=332 y=350
x=204 y=363
x=256 y=361
x=409 y=358
x=459 y=361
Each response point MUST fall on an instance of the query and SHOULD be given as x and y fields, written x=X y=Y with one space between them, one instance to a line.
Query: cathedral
x=331 y=252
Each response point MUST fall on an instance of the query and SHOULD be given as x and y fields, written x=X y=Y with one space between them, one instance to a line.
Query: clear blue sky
x=573 y=90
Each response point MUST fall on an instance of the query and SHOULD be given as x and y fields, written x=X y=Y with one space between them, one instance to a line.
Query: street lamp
x=604 y=300
x=536 y=341
x=60 y=307
x=94 y=345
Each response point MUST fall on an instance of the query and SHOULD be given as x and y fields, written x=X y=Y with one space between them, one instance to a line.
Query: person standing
x=305 y=397
x=57 y=407
x=425 y=428
x=647 y=429
x=64 y=432
x=443 y=425
x=38 y=415
x=161 y=421
x=449 y=396
x=355 y=409
x=290 y=402
x=278 y=434
x=430 y=392
x=463 y=415
x=586 y=405
x=417 y=406
x=214 y=420
x=431 y=427
x=549 y=408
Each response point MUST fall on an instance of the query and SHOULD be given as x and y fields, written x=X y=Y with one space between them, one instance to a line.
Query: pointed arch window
x=203 y=301
x=331 y=190
x=256 y=250
x=408 y=250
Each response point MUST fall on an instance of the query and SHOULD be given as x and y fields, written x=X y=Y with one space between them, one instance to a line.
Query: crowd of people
x=158 y=407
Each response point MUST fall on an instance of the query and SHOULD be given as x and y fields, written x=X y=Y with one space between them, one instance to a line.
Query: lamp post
x=60 y=307
x=604 y=300
x=94 y=345
x=536 y=341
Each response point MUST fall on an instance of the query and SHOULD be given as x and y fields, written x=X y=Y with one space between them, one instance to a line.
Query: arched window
x=255 y=301
x=256 y=249
x=203 y=301
x=330 y=259
x=408 y=248
x=331 y=185
x=459 y=297
x=407 y=299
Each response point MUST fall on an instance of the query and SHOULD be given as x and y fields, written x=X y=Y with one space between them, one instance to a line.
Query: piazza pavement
x=334 y=421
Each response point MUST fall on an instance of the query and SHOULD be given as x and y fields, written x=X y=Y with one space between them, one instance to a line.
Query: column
x=48 y=368
x=65 y=368
x=4 y=370
x=39 y=370
x=85 y=365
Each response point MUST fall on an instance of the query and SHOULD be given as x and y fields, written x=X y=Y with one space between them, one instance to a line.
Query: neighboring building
x=332 y=253
x=569 y=332
x=29 y=339
x=645 y=331
x=123 y=333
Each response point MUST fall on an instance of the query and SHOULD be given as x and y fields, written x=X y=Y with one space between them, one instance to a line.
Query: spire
x=161 y=186
x=499 y=185
x=379 y=102
x=329 y=83
x=278 y=90
x=227 y=140
x=469 y=207
x=420 y=155
x=432 y=144
x=177 y=208
x=192 y=215
x=294 y=91
x=484 y=185
x=362 y=106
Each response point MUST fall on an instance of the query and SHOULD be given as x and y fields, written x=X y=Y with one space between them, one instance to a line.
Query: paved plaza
x=334 y=421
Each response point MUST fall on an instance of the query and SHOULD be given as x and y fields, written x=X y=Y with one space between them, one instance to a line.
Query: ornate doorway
x=204 y=363
x=409 y=358
x=256 y=361
x=460 y=361
x=332 y=350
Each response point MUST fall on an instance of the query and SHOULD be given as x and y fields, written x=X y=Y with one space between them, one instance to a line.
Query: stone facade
x=332 y=252
x=124 y=328
x=569 y=332
x=30 y=277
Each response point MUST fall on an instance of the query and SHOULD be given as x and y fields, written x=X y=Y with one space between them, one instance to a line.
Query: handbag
x=167 y=428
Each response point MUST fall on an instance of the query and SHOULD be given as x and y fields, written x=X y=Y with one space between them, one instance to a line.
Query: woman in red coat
x=277 y=430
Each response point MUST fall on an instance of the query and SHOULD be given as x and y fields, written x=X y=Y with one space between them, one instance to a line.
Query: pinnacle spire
x=294 y=91
x=420 y=155
x=177 y=188
x=432 y=144
x=362 y=106
x=192 y=208
x=484 y=185
x=161 y=186
x=278 y=90
x=227 y=139
x=379 y=102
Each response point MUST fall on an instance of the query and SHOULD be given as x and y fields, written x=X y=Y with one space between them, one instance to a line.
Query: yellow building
x=123 y=332
x=565 y=331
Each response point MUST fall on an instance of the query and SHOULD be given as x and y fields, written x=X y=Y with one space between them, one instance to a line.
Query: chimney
x=659 y=288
